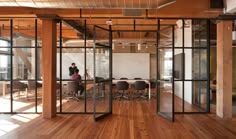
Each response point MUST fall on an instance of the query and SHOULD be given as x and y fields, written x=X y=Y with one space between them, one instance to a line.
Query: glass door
x=102 y=89
x=165 y=66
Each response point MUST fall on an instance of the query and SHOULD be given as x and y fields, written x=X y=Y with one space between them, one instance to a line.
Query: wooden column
x=224 y=69
x=49 y=67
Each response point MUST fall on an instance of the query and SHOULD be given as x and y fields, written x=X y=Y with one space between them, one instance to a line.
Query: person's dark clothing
x=72 y=70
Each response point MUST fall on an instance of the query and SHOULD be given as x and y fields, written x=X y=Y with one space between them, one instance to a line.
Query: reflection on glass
x=24 y=32
x=5 y=102
x=69 y=56
x=199 y=33
x=165 y=63
x=195 y=96
x=102 y=63
x=24 y=63
x=200 y=64
x=4 y=60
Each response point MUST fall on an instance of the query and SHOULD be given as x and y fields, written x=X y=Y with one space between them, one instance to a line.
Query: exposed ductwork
x=130 y=4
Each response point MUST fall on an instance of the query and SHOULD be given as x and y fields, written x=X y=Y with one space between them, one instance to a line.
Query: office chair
x=19 y=86
x=122 y=86
x=32 y=85
x=72 y=90
x=141 y=86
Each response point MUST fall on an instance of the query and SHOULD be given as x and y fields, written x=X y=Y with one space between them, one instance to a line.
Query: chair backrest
x=122 y=85
x=123 y=78
x=32 y=85
x=153 y=84
x=137 y=78
x=140 y=85
x=72 y=86
x=19 y=85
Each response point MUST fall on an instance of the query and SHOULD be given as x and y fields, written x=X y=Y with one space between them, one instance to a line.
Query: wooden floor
x=130 y=119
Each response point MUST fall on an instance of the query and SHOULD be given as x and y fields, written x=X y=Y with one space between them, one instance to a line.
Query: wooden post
x=49 y=50
x=224 y=69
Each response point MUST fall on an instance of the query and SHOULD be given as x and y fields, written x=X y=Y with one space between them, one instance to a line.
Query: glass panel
x=5 y=97
x=179 y=33
x=69 y=56
x=178 y=96
x=166 y=89
x=39 y=33
x=39 y=98
x=102 y=86
x=200 y=64
x=39 y=79
x=24 y=63
x=188 y=63
x=195 y=96
x=179 y=63
x=5 y=52
x=39 y=64
x=199 y=33
x=5 y=30
x=89 y=78
x=198 y=59
x=24 y=32
x=188 y=31
x=73 y=37
x=5 y=66
x=23 y=98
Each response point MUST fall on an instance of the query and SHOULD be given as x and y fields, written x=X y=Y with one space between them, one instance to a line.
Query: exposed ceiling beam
x=78 y=27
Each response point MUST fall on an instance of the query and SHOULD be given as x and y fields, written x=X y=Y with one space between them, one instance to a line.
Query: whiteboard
x=131 y=65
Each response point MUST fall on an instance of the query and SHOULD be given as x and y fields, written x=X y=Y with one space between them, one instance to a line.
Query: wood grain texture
x=224 y=69
x=130 y=119
x=49 y=68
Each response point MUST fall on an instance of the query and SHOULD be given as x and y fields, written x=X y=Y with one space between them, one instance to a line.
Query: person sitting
x=76 y=77
x=72 y=69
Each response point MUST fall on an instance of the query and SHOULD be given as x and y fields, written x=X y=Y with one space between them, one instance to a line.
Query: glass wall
x=187 y=63
x=21 y=60
x=5 y=66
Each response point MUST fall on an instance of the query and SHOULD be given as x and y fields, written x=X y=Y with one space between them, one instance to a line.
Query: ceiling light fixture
x=139 y=46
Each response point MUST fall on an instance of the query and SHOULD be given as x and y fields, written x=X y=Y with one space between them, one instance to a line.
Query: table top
x=130 y=81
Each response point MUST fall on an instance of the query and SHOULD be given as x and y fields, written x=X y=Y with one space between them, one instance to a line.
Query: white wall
x=188 y=61
x=131 y=65
x=67 y=59
x=128 y=65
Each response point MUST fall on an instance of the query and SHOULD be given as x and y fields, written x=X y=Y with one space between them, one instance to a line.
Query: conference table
x=131 y=81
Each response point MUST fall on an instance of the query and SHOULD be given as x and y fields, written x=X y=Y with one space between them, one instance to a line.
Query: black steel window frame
x=183 y=80
x=60 y=47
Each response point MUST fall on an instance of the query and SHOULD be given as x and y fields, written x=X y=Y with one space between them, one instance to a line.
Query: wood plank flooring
x=130 y=120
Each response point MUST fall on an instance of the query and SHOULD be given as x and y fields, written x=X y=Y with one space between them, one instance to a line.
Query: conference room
x=150 y=51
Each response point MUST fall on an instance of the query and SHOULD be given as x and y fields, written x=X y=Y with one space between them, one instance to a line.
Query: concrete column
x=49 y=67
x=224 y=69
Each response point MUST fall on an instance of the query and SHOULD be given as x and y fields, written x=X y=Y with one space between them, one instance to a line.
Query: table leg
x=149 y=93
x=4 y=89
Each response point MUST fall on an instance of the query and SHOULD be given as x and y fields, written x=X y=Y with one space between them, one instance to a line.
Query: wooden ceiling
x=110 y=8
x=98 y=12
x=147 y=4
